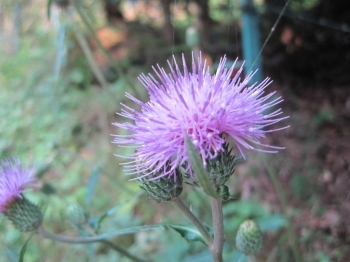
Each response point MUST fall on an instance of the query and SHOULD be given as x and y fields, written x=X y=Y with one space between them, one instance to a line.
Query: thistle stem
x=78 y=240
x=218 y=226
x=194 y=220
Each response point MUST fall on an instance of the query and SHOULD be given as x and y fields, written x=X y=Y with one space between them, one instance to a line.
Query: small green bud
x=164 y=188
x=249 y=238
x=25 y=215
x=76 y=215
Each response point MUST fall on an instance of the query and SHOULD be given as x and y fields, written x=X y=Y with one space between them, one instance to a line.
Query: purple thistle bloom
x=13 y=180
x=207 y=108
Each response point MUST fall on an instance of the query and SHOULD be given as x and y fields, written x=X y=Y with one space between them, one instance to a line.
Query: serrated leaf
x=189 y=234
x=23 y=250
x=200 y=172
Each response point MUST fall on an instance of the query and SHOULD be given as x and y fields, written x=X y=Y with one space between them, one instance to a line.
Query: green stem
x=78 y=240
x=194 y=220
x=87 y=52
x=218 y=226
x=283 y=201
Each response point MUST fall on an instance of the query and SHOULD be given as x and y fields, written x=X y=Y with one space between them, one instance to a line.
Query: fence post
x=251 y=40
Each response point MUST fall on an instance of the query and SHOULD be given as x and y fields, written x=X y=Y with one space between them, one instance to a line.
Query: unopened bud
x=76 y=215
x=24 y=215
x=164 y=188
x=249 y=238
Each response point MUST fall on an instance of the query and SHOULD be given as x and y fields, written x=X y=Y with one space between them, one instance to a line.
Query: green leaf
x=126 y=231
x=97 y=221
x=189 y=234
x=89 y=248
x=272 y=222
x=136 y=229
x=48 y=10
x=94 y=176
x=199 y=170
x=42 y=168
x=244 y=209
x=23 y=250
x=239 y=257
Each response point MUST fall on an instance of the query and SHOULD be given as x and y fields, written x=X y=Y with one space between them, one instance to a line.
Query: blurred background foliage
x=56 y=113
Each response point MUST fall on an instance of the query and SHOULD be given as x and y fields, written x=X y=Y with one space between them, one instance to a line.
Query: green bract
x=25 y=215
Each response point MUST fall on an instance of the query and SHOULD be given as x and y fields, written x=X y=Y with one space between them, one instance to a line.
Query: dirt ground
x=316 y=170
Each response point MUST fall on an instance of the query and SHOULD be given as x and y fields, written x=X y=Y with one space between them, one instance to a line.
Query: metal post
x=251 y=40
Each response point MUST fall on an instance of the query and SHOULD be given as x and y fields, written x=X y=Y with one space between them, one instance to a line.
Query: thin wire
x=270 y=34
x=311 y=19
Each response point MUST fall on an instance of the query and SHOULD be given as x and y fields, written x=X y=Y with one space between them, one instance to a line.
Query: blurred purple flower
x=207 y=108
x=13 y=180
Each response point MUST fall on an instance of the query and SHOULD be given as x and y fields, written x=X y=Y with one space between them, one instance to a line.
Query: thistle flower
x=207 y=108
x=14 y=178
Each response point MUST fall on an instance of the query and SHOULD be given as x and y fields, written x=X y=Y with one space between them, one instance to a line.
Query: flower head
x=207 y=108
x=14 y=178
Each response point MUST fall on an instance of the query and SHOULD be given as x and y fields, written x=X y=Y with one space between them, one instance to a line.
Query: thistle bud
x=164 y=188
x=25 y=215
x=76 y=215
x=221 y=167
x=14 y=178
x=249 y=238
